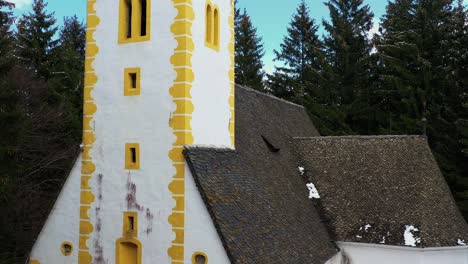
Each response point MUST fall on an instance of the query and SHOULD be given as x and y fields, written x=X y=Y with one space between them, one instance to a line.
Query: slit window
x=131 y=223
x=215 y=27
x=132 y=159
x=134 y=20
x=209 y=24
x=212 y=26
x=128 y=17
x=144 y=13
x=130 y=227
x=132 y=82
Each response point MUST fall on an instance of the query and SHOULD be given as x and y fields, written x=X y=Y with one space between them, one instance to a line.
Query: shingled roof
x=373 y=189
x=256 y=198
x=380 y=189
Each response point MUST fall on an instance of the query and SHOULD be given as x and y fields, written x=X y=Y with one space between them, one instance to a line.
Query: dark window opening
x=270 y=146
x=67 y=248
x=209 y=23
x=131 y=223
x=200 y=259
x=129 y=11
x=133 y=80
x=133 y=155
x=144 y=8
x=216 y=27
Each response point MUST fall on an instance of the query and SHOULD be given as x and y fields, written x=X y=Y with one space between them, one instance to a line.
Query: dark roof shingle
x=372 y=188
x=387 y=182
x=256 y=199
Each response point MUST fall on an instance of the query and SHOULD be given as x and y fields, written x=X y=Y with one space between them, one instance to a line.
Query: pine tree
x=6 y=20
x=36 y=42
x=10 y=114
x=348 y=49
x=302 y=58
x=410 y=51
x=68 y=70
x=423 y=57
x=249 y=52
x=456 y=92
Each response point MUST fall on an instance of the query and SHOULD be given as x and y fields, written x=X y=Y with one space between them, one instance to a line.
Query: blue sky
x=271 y=17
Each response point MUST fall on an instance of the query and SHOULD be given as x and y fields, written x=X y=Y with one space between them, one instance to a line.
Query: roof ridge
x=268 y=95
x=207 y=146
x=365 y=137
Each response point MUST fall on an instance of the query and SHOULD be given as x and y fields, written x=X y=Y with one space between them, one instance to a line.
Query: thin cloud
x=21 y=4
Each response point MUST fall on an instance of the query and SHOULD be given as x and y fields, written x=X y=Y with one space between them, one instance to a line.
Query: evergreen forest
x=411 y=78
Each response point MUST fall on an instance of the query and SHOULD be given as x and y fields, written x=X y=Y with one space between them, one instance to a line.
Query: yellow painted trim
x=129 y=90
x=127 y=240
x=129 y=163
x=212 y=26
x=231 y=48
x=199 y=253
x=127 y=231
x=33 y=261
x=89 y=110
x=62 y=248
x=135 y=23
x=180 y=121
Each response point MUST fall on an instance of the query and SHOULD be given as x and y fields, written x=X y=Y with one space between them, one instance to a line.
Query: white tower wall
x=186 y=96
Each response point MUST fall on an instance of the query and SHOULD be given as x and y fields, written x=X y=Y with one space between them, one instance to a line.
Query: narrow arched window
x=144 y=17
x=212 y=26
x=134 y=21
x=216 y=27
x=128 y=18
x=209 y=24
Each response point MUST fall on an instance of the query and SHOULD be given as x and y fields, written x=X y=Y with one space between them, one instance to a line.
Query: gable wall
x=358 y=253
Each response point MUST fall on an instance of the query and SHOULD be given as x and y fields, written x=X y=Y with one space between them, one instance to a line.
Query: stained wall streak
x=181 y=119
x=89 y=109
x=231 y=47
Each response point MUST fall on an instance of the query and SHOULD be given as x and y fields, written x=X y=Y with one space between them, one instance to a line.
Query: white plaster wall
x=210 y=126
x=211 y=88
x=200 y=232
x=359 y=253
x=337 y=259
x=62 y=224
x=140 y=119
x=144 y=119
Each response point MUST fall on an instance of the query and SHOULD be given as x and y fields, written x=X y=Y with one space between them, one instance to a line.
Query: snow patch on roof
x=301 y=170
x=410 y=238
x=366 y=227
x=383 y=240
x=313 y=192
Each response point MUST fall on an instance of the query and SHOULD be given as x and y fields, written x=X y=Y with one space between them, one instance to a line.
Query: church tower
x=159 y=74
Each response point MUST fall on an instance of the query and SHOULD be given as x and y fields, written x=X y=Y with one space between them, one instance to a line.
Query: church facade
x=178 y=165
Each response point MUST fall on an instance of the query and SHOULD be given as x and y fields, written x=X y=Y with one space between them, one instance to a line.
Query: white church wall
x=210 y=126
x=142 y=119
x=148 y=119
x=211 y=87
x=62 y=223
x=201 y=234
x=360 y=253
